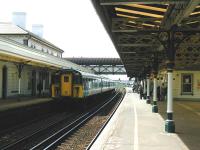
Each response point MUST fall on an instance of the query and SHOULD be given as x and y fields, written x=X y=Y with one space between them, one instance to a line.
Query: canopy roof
x=138 y=30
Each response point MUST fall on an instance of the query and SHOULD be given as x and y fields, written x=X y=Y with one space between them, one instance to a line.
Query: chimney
x=37 y=29
x=19 y=19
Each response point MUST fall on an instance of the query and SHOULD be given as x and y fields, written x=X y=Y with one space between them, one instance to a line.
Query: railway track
x=86 y=135
x=57 y=138
x=30 y=141
x=42 y=128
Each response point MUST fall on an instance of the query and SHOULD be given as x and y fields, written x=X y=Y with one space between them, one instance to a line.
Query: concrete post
x=148 y=90
x=155 y=107
x=169 y=123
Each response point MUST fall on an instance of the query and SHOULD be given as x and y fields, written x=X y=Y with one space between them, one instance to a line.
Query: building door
x=33 y=93
x=4 y=82
x=187 y=83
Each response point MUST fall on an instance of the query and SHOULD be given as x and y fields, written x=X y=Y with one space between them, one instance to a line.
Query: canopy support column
x=155 y=106
x=20 y=67
x=155 y=73
x=169 y=123
x=145 y=89
x=148 y=90
x=171 y=51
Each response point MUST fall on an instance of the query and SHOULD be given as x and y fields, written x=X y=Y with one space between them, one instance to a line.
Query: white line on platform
x=136 y=143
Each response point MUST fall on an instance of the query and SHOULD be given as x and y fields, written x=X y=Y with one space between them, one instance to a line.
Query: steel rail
x=24 y=138
x=56 y=138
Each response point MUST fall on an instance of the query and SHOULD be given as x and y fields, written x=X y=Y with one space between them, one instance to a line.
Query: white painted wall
x=177 y=84
x=24 y=85
x=17 y=38
x=12 y=79
x=38 y=46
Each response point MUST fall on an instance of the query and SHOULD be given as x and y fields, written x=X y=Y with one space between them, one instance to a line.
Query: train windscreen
x=55 y=79
x=77 y=79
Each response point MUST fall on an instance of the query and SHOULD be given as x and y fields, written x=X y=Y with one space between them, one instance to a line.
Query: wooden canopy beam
x=176 y=13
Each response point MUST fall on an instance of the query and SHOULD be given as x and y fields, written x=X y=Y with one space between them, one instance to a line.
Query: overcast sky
x=71 y=25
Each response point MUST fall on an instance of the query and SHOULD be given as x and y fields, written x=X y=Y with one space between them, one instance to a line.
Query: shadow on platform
x=187 y=121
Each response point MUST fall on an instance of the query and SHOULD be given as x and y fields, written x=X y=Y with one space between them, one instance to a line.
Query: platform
x=135 y=127
x=9 y=104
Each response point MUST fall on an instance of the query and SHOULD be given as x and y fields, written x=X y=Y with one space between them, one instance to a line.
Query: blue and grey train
x=77 y=84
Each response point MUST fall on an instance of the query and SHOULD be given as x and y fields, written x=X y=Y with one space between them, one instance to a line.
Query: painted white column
x=148 y=87
x=170 y=93
x=155 y=89
x=155 y=106
x=19 y=86
x=143 y=86
x=169 y=123
x=148 y=91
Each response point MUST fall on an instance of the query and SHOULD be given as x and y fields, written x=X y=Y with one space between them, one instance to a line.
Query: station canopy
x=141 y=29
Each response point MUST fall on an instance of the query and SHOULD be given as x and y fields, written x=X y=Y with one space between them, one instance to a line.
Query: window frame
x=182 y=84
x=25 y=42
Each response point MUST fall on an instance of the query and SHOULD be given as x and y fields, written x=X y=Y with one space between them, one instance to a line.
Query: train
x=69 y=83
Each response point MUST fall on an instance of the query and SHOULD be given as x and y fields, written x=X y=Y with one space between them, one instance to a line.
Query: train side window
x=66 y=79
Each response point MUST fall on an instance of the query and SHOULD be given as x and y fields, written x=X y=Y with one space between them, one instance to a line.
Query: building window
x=55 y=53
x=32 y=46
x=59 y=55
x=45 y=50
x=187 y=83
x=50 y=52
x=25 y=42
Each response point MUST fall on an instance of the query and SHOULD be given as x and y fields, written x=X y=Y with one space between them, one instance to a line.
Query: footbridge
x=101 y=65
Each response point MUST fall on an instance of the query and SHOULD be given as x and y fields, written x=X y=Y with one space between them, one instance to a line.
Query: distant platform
x=135 y=127
x=10 y=104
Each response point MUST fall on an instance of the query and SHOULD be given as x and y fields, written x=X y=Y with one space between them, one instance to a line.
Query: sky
x=71 y=25
x=74 y=26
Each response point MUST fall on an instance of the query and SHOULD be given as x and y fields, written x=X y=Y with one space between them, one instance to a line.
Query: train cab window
x=66 y=79
x=55 y=79
x=77 y=79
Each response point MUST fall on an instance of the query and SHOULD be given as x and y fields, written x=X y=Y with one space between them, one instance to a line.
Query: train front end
x=67 y=84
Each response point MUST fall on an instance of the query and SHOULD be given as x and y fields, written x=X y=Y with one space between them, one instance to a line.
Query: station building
x=27 y=62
